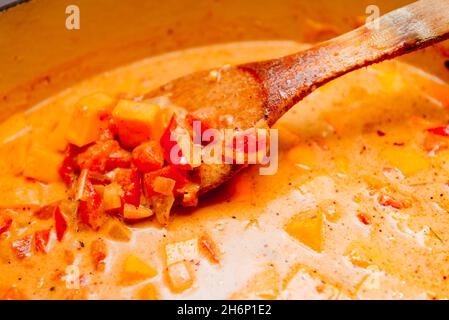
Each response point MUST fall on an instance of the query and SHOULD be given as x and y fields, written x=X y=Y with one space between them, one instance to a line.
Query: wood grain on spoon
x=268 y=89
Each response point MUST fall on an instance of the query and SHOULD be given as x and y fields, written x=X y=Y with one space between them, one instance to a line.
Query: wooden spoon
x=266 y=90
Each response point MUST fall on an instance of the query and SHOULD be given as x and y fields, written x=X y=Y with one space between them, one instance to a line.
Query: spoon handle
x=289 y=79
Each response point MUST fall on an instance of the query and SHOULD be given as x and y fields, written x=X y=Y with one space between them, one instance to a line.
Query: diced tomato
x=41 y=239
x=148 y=157
x=46 y=212
x=205 y=123
x=440 y=131
x=98 y=252
x=180 y=176
x=130 y=181
x=22 y=247
x=176 y=137
x=103 y=156
x=90 y=210
x=5 y=225
x=60 y=224
x=364 y=218
x=69 y=167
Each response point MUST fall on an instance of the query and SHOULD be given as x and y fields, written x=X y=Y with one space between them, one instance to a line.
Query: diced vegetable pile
x=118 y=161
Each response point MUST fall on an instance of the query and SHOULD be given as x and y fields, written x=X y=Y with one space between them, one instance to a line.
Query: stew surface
x=356 y=210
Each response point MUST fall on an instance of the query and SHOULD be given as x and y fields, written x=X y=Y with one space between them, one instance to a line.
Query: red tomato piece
x=69 y=167
x=171 y=140
x=149 y=156
x=41 y=239
x=104 y=155
x=5 y=225
x=60 y=224
x=440 y=131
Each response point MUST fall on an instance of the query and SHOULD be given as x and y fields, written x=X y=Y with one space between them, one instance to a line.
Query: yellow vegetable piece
x=179 y=277
x=303 y=156
x=111 y=196
x=407 y=160
x=163 y=185
x=135 y=270
x=53 y=192
x=308 y=228
x=264 y=285
x=132 y=213
x=137 y=122
x=18 y=192
x=182 y=251
x=148 y=292
x=85 y=125
x=43 y=165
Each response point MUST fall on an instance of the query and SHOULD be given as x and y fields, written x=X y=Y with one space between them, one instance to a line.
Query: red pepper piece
x=5 y=225
x=129 y=180
x=149 y=156
x=69 y=167
x=171 y=141
x=41 y=239
x=60 y=224
x=440 y=131
x=104 y=155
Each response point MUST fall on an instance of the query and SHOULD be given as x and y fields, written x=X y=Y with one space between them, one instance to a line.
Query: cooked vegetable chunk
x=136 y=122
x=307 y=228
x=85 y=126
x=135 y=270
x=43 y=165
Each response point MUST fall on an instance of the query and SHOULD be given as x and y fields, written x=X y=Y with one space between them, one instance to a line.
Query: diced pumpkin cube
x=264 y=285
x=182 y=251
x=112 y=196
x=407 y=160
x=308 y=228
x=148 y=292
x=85 y=125
x=164 y=185
x=18 y=192
x=43 y=165
x=136 y=122
x=179 y=276
x=53 y=192
x=135 y=270
x=136 y=213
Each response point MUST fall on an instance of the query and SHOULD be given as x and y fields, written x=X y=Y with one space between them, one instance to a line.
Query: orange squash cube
x=308 y=228
x=85 y=125
x=148 y=292
x=43 y=165
x=136 y=122
x=135 y=270
x=179 y=277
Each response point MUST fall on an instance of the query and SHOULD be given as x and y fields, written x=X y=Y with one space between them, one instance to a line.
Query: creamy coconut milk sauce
x=357 y=209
